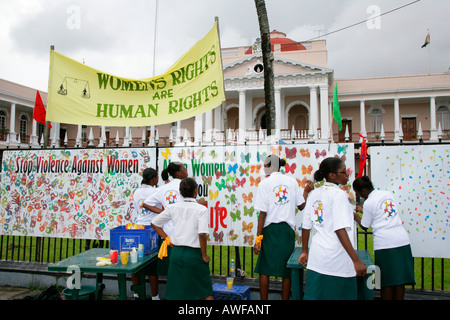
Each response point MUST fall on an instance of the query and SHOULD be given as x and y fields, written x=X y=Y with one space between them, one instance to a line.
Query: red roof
x=286 y=44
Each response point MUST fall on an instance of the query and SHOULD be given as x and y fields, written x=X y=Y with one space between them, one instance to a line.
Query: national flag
x=363 y=156
x=427 y=41
x=39 y=110
x=336 y=109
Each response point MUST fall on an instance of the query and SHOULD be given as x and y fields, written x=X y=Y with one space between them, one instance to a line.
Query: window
x=23 y=125
x=2 y=119
x=442 y=117
x=376 y=118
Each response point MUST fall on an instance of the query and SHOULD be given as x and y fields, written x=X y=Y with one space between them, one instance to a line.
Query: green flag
x=336 y=110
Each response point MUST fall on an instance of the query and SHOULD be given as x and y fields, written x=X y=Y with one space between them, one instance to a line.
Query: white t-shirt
x=380 y=212
x=278 y=196
x=328 y=210
x=189 y=220
x=144 y=216
x=165 y=195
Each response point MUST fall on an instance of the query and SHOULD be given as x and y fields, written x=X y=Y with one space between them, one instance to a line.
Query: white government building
x=391 y=108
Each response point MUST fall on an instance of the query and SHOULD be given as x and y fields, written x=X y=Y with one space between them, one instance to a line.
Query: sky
x=118 y=36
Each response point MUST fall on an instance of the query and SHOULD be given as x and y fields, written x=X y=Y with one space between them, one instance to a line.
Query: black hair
x=362 y=183
x=187 y=187
x=277 y=161
x=327 y=166
x=148 y=174
x=171 y=169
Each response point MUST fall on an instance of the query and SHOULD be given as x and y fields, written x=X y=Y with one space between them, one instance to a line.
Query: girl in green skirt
x=276 y=200
x=332 y=262
x=188 y=276
x=391 y=243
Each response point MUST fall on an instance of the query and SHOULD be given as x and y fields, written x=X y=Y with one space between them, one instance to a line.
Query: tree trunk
x=267 y=61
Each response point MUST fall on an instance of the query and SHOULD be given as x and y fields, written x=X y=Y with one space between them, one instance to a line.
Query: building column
x=324 y=119
x=198 y=128
x=34 y=141
x=396 y=120
x=208 y=125
x=362 y=116
x=277 y=112
x=12 y=125
x=433 y=127
x=242 y=114
x=313 y=112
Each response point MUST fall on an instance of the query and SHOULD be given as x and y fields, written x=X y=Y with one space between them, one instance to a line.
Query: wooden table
x=364 y=292
x=87 y=261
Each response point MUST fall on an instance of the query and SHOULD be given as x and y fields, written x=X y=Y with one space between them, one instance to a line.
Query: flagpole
x=429 y=54
x=46 y=127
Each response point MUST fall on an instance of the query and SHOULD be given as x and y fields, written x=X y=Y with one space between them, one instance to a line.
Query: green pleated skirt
x=189 y=277
x=276 y=248
x=396 y=266
x=325 y=287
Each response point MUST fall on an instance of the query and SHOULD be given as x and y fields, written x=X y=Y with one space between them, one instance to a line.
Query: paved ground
x=17 y=293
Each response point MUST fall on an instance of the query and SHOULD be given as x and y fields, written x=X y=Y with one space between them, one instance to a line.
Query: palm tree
x=267 y=61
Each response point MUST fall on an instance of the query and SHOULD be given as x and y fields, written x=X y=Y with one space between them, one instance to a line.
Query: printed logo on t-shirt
x=171 y=196
x=281 y=194
x=389 y=209
x=318 y=213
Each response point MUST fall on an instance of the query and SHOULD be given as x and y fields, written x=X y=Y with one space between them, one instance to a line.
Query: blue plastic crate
x=124 y=239
x=221 y=292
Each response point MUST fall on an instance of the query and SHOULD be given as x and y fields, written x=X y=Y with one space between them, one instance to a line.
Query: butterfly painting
x=255 y=182
x=290 y=153
x=290 y=168
x=319 y=154
x=235 y=215
x=221 y=185
x=248 y=211
x=166 y=153
x=232 y=168
x=302 y=183
x=248 y=198
x=261 y=156
x=243 y=170
x=213 y=195
x=232 y=236
x=229 y=156
x=275 y=150
x=231 y=199
x=249 y=239
x=218 y=237
x=247 y=227
x=342 y=148
x=255 y=169
x=245 y=157
x=307 y=170
x=207 y=180
x=241 y=182
x=304 y=153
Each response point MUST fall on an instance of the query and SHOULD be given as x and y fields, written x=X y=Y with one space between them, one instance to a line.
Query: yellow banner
x=79 y=94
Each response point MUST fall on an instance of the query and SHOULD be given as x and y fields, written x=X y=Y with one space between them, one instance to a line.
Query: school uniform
x=144 y=216
x=391 y=243
x=330 y=270
x=278 y=196
x=165 y=195
x=189 y=277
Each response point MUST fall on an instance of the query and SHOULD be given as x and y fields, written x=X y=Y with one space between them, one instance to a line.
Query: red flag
x=39 y=110
x=363 y=156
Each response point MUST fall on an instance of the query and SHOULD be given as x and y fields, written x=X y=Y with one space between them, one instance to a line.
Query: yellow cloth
x=258 y=240
x=163 y=250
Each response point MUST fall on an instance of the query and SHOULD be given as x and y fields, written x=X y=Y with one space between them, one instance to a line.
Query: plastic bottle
x=141 y=251
x=232 y=269
x=133 y=255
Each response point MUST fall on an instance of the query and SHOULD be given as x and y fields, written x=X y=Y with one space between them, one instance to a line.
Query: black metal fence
x=431 y=273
